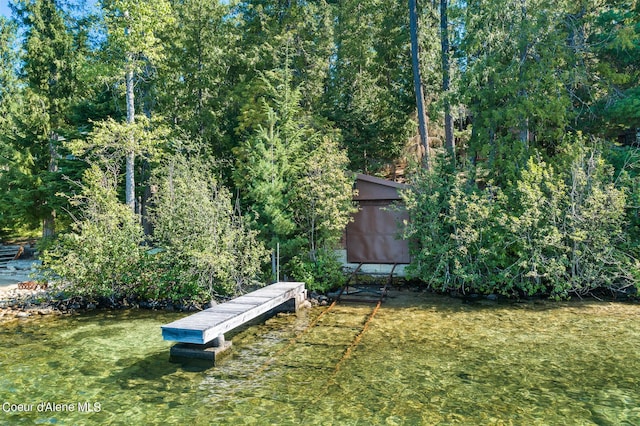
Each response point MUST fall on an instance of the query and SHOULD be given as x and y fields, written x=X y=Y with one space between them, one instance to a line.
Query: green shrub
x=595 y=227
x=560 y=229
x=205 y=240
x=102 y=245
x=535 y=237
x=571 y=228
x=158 y=277
x=322 y=272
x=207 y=249
x=452 y=231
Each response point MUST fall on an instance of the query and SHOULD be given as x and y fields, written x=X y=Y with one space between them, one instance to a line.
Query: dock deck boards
x=205 y=326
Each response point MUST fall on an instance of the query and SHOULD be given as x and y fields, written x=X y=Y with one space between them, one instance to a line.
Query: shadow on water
x=153 y=369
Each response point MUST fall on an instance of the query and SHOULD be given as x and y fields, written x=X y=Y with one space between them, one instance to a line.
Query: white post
x=278 y=263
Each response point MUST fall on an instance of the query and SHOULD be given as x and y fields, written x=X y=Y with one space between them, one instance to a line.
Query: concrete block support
x=210 y=352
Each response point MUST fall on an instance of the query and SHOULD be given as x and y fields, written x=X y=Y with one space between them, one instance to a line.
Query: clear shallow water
x=422 y=360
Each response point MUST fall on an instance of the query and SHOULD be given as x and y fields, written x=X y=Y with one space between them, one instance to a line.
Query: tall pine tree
x=49 y=80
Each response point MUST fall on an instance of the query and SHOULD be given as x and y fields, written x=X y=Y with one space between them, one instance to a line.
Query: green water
x=422 y=360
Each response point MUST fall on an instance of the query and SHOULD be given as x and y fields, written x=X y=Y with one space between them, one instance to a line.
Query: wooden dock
x=201 y=335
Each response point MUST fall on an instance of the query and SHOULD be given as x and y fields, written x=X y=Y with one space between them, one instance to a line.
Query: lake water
x=422 y=359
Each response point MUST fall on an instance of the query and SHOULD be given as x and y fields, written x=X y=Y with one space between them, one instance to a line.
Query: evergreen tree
x=196 y=78
x=8 y=104
x=370 y=93
x=134 y=43
x=615 y=40
x=49 y=79
x=268 y=162
x=303 y=29
x=515 y=55
x=292 y=172
x=446 y=76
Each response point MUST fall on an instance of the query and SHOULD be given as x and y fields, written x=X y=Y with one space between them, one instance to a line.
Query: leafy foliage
x=205 y=241
x=278 y=99
x=206 y=250
x=560 y=231
x=104 y=242
x=536 y=230
x=293 y=173
x=134 y=27
x=322 y=273
x=453 y=231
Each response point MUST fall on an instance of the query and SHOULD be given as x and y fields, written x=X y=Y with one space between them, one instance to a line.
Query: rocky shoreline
x=17 y=303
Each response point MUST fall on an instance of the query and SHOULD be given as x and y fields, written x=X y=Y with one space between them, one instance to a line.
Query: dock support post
x=293 y=304
x=219 y=341
x=300 y=298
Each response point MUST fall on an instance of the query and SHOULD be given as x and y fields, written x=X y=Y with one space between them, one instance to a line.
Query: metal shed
x=373 y=236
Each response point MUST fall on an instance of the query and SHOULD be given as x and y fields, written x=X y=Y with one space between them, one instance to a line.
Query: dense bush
x=205 y=240
x=321 y=273
x=534 y=220
x=560 y=229
x=205 y=248
x=103 y=244
x=159 y=277
x=453 y=231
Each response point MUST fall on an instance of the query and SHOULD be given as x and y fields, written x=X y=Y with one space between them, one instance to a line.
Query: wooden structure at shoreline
x=9 y=253
x=373 y=235
x=371 y=242
x=201 y=335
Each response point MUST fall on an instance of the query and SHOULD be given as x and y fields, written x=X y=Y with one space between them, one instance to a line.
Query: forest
x=164 y=149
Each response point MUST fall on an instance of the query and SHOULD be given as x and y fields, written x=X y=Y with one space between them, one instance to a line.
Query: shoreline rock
x=18 y=303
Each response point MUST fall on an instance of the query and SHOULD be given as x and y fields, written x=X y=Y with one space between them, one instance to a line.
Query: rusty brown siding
x=373 y=236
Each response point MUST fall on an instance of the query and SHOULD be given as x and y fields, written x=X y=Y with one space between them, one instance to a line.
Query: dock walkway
x=201 y=333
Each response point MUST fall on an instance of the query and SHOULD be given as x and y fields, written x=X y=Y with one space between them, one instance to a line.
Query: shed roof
x=374 y=188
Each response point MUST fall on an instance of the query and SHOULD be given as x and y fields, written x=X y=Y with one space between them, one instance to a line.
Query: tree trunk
x=446 y=78
x=145 y=199
x=524 y=51
x=417 y=82
x=48 y=225
x=49 y=221
x=130 y=193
